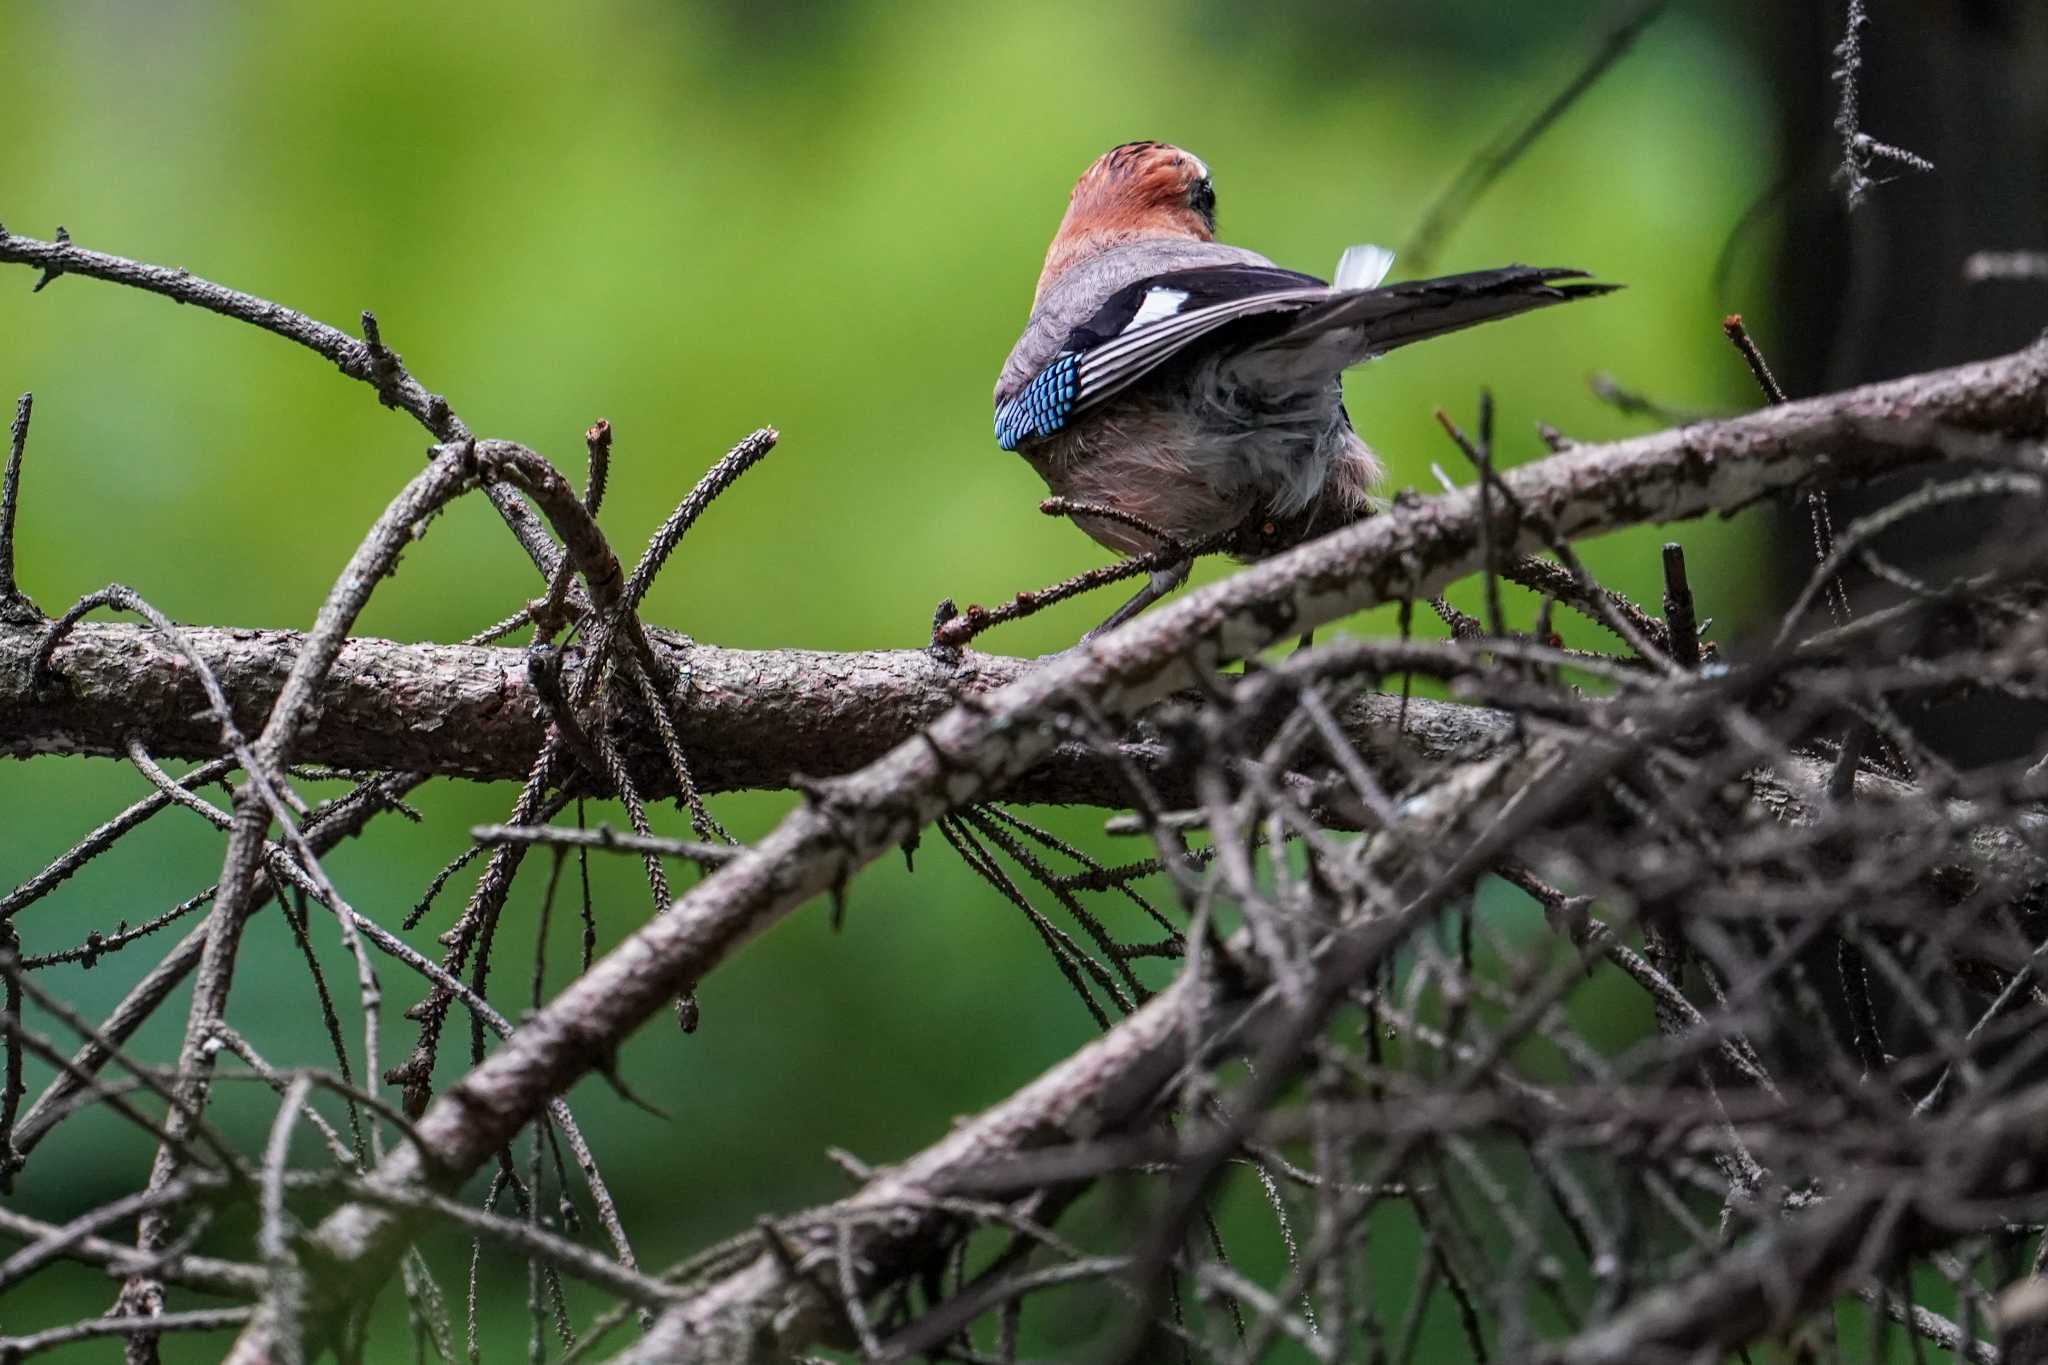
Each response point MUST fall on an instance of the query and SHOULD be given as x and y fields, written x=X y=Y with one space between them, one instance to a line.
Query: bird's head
x=1141 y=189
x=1147 y=186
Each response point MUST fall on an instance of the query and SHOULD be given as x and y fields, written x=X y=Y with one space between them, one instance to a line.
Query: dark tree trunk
x=1880 y=291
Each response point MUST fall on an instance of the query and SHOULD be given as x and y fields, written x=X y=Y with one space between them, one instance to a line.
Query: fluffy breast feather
x=1283 y=461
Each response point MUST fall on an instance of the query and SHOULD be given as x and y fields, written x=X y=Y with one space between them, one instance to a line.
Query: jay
x=1189 y=391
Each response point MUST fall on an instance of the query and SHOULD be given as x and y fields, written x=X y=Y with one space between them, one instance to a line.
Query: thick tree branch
x=748 y=719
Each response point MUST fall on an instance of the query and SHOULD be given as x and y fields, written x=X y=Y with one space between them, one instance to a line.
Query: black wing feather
x=1204 y=288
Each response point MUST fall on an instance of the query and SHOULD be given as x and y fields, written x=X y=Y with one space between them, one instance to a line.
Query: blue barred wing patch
x=1043 y=405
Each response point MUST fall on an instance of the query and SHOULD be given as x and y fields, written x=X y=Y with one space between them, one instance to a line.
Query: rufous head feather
x=1141 y=189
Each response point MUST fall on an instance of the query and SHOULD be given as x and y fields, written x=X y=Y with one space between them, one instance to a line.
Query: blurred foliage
x=693 y=220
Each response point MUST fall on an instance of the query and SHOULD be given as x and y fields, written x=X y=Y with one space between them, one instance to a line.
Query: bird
x=1178 y=393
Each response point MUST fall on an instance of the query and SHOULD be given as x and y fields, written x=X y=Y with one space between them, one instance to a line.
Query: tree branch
x=749 y=719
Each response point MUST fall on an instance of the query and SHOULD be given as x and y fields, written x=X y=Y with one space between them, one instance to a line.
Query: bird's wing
x=1140 y=326
x=1152 y=321
x=1078 y=293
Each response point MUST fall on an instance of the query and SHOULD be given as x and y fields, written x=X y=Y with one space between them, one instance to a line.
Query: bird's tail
x=1398 y=314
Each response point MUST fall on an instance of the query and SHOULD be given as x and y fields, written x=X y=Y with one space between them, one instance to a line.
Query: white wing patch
x=1363 y=266
x=1159 y=303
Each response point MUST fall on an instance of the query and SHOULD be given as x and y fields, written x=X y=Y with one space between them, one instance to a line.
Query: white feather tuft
x=1159 y=303
x=1363 y=266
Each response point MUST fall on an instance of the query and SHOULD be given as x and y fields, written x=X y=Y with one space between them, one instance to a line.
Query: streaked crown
x=1141 y=189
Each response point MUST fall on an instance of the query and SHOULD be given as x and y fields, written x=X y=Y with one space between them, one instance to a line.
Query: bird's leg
x=1162 y=582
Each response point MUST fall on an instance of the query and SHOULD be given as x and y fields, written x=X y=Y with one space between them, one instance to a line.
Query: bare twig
x=12 y=603
x=1681 y=622
x=956 y=631
x=1860 y=151
x=1984 y=266
x=603 y=837
x=1492 y=161
x=192 y=1320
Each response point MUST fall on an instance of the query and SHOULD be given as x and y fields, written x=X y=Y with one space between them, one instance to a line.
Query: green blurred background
x=693 y=220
